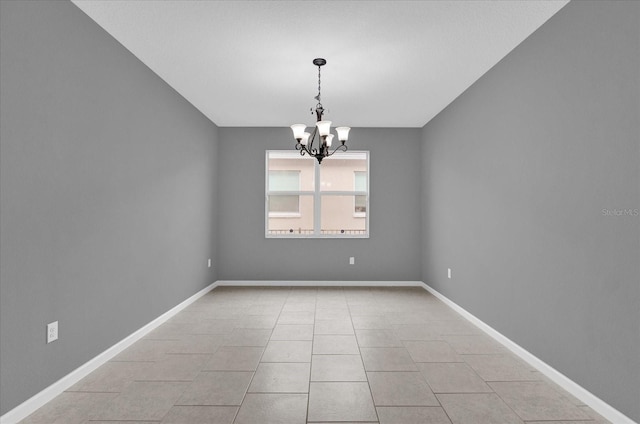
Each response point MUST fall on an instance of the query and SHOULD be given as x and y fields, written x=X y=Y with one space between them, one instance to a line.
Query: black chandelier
x=318 y=143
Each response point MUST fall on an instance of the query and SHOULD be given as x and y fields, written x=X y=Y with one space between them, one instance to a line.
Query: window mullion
x=317 y=207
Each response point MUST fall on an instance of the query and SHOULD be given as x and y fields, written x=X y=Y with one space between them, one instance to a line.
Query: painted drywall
x=391 y=253
x=531 y=196
x=107 y=194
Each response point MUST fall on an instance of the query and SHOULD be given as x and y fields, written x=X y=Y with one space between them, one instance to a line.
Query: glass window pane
x=283 y=165
x=337 y=172
x=360 y=205
x=284 y=204
x=284 y=180
x=285 y=223
x=360 y=181
x=338 y=217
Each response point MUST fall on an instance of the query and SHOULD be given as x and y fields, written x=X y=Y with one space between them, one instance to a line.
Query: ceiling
x=389 y=63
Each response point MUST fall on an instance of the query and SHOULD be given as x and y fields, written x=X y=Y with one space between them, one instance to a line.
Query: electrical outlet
x=209 y=263
x=352 y=260
x=52 y=332
x=449 y=273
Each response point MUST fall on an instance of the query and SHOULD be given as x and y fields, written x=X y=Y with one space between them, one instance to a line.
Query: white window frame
x=317 y=194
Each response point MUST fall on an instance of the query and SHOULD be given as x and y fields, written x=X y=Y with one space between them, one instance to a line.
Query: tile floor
x=316 y=355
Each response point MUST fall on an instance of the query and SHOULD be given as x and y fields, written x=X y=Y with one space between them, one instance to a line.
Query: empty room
x=296 y=212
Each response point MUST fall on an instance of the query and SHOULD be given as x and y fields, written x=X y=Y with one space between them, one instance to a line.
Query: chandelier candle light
x=318 y=143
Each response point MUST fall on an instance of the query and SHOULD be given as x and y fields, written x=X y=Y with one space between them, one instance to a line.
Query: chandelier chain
x=319 y=101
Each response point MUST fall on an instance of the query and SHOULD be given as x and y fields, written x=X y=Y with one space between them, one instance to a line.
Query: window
x=305 y=199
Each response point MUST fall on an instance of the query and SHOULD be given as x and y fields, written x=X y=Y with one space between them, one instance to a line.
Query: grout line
x=313 y=339
x=366 y=374
x=260 y=359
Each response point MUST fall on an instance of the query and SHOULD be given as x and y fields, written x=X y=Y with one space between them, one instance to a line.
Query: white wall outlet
x=352 y=260
x=209 y=263
x=52 y=332
x=449 y=273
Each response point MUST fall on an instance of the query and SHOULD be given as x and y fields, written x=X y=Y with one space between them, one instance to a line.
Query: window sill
x=284 y=215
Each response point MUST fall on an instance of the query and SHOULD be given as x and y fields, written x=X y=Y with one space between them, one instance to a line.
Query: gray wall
x=517 y=172
x=107 y=194
x=391 y=253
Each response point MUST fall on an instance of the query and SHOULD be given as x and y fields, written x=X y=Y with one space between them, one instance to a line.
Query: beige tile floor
x=316 y=355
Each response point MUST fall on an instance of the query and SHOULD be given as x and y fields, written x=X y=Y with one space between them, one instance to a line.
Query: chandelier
x=318 y=143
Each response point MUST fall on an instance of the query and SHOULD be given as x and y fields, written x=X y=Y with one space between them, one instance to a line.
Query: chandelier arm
x=342 y=148
x=310 y=152
x=303 y=150
x=312 y=138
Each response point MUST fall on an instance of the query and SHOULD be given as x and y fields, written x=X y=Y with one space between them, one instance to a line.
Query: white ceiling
x=389 y=63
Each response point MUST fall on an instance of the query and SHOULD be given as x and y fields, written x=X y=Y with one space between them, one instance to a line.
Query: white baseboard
x=29 y=406
x=312 y=283
x=591 y=400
